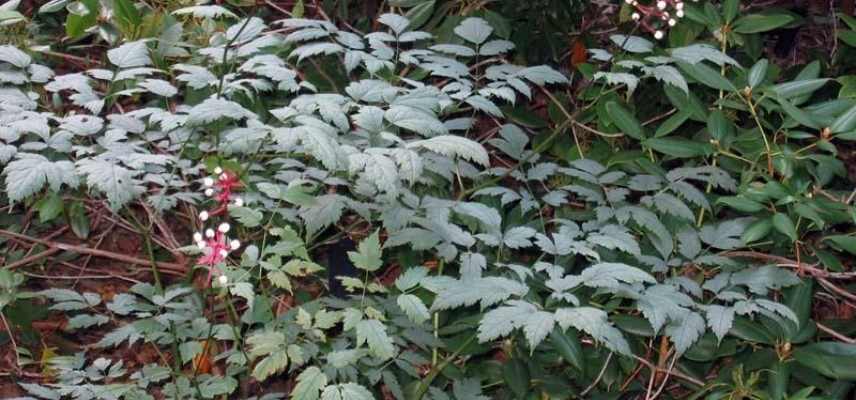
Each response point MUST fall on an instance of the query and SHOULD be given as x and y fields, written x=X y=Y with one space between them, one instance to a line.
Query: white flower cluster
x=209 y=182
x=656 y=18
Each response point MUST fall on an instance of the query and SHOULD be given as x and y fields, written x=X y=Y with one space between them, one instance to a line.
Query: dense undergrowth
x=206 y=201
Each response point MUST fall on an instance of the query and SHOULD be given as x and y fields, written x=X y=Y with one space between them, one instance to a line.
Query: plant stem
x=146 y=234
x=754 y=113
x=435 y=371
x=234 y=321
x=11 y=338
x=435 y=352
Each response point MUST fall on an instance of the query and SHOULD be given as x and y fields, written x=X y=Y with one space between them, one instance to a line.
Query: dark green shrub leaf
x=757 y=23
x=624 y=120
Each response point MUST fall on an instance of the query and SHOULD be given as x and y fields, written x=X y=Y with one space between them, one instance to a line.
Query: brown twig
x=94 y=252
x=835 y=289
x=676 y=374
x=599 y=376
x=833 y=333
x=787 y=262
x=33 y=258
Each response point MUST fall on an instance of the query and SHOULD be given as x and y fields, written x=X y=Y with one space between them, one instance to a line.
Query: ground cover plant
x=406 y=200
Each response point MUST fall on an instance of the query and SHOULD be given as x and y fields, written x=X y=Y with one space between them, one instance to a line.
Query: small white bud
x=672 y=22
x=197 y=237
x=661 y=5
x=628 y=1
x=239 y=202
x=203 y=216
x=636 y=16
x=235 y=244
x=223 y=177
x=201 y=245
x=679 y=6
x=224 y=227
x=218 y=170
x=209 y=192
x=223 y=280
x=680 y=14
x=209 y=233
x=658 y=35
x=208 y=181
x=224 y=253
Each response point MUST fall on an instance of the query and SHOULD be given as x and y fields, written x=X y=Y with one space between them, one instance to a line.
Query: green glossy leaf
x=77 y=23
x=780 y=375
x=568 y=346
x=516 y=375
x=783 y=223
x=845 y=122
x=798 y=114
x=49 y=207
x=757 y=23
x=674 y=122
x=730 y=9
x=832 y=359
x=420 y=14
x=758 y=73
x=75 y=214
x=680 y=148
x=757 y=231
x=625 y=120
x=741 y=203
x=707 y=76
x=747 y=329
x=798 y=88
x=848 y=37
x=719 y=126
x=127 y=14
x=843 y=242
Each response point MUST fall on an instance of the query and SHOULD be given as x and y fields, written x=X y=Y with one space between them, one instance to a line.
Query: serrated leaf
x=396 y=22
x=346 y=391
x=373 y=332
x=697 y=53
x=205 y=12
x=29 y=173
x=14 y=56
x=413 y=308
x=454 y=146
x=501 y=321
x=537 y=326
x=368 y=256
x=310 y=382
x=686 y=332
x=270 y=365
x=414 y=119
x=720 y=319
x=215 y=108
x=133 y=54
x=410 y=278
x=474 y=30
x=594 y=322
x=633 y=44
x=117 y=182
